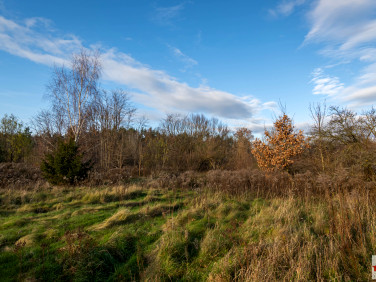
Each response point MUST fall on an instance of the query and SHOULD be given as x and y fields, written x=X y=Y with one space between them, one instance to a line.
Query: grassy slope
x=131 y=234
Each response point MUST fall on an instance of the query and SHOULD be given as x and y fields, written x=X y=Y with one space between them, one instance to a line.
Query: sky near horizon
x=235 y=60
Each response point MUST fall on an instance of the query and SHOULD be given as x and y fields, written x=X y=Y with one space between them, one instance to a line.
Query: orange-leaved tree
x=281 y=144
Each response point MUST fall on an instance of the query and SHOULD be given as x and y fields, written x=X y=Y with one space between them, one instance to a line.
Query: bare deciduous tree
x=113 y=113
x=369 y=123
x=74 y=90
x=318 y=113
x=345 y=126
x=114 y=110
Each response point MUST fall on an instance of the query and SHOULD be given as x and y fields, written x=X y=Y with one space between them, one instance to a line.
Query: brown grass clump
x=113 y=194
x=122 y=216
x=27 y=240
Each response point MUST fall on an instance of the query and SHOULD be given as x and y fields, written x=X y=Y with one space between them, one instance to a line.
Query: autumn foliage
x=280 y=145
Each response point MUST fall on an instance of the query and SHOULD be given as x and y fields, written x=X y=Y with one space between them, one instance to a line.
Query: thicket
x=103 y=126
x=345 y=142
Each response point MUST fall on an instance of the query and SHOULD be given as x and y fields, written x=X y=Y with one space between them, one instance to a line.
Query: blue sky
x=231 y=59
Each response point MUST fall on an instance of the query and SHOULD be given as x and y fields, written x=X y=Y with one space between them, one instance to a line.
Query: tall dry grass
x=330 y=240
x=264 y=184
x=293 y=238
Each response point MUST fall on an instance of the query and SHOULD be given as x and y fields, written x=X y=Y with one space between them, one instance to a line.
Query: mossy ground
x=131 y=233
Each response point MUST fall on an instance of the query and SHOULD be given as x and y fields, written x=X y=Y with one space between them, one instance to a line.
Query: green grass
x=131 y=233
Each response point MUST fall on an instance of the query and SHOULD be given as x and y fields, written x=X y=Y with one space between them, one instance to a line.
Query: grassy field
x=134 y=233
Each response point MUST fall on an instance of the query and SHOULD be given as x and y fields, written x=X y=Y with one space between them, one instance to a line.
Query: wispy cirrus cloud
x=185 y=59
x=344 y=23
x=166 y=15
x=346 y=30
x=286 y=7
x=152 y=88
x=363 y=91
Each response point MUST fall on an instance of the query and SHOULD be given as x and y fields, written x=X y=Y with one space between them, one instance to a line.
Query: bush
x=65 y=165
x=280 y=146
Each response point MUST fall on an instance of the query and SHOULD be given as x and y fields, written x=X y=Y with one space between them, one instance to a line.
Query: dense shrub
x=280 y=146
x=65 y=164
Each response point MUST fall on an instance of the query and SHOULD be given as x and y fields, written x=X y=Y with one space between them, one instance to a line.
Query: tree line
x=101 y=127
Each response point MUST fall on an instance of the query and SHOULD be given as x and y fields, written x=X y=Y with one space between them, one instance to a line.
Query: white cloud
x=257 y=125
x=153 y=88
x=359 y=97
x=346 y=22
x=32 y=22
x=159 y=90
x=188 y=61
x=23 y=41
x=347 y=31
x=324 y=84
x=363 y=91
x=286 y=7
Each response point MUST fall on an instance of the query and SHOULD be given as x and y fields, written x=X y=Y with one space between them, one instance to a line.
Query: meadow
x=140 y=233
x=91 y=190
